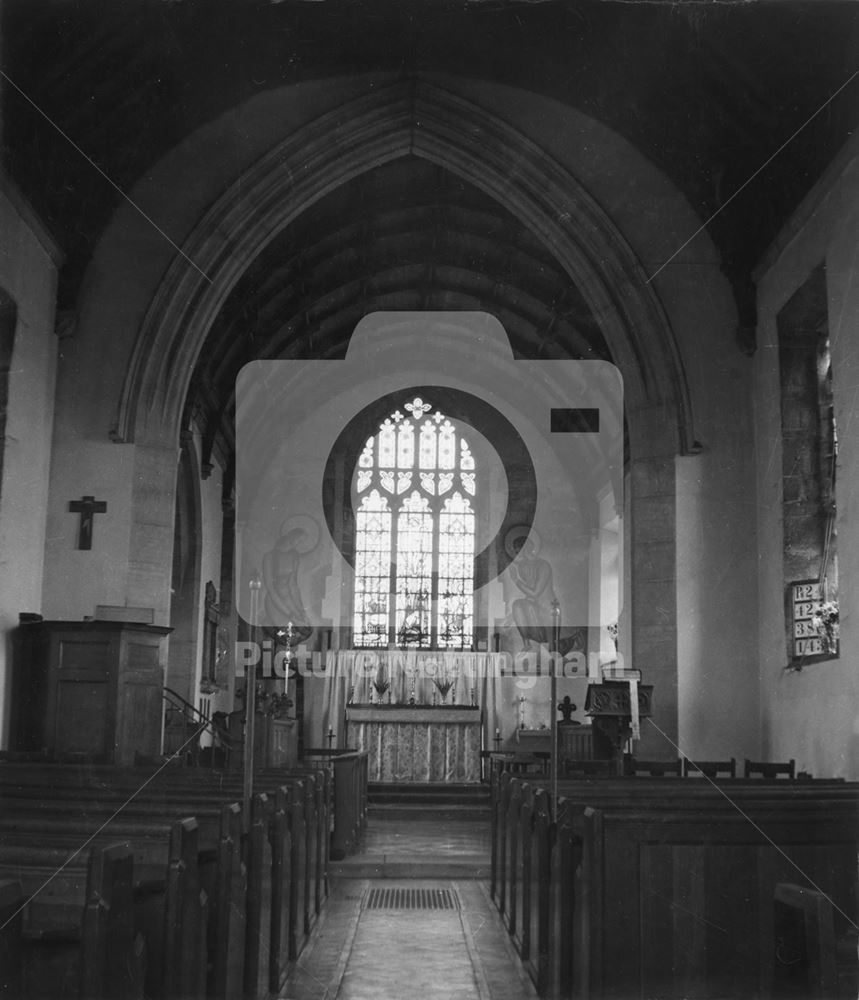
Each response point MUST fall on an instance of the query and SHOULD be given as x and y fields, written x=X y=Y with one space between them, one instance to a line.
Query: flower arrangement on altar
x=381 y=684
x=824 y=618
x=445 y=680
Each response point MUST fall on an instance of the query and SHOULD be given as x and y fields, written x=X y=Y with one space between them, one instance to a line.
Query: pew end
x=811 y=961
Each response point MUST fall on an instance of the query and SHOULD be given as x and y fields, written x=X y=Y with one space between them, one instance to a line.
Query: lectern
x=90 y=690
x=608 y=704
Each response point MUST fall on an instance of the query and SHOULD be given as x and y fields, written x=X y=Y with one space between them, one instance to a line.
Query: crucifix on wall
x=87 y=507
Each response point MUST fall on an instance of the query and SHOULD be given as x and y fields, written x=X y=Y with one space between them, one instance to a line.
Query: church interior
x=428 y=499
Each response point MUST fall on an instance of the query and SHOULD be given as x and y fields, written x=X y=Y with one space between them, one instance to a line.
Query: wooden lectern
x=608 y=705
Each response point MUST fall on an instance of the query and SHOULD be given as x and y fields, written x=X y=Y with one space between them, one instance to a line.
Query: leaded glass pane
x=428 y=446
x=414 y=570
x=387 y=445
x=447 y=446
x=366 y=459
x=372 y=570
x=455 y=573
x=406 y=445
x=404 y=481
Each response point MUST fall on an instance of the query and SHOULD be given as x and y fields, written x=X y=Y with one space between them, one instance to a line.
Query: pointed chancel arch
x=415 y=118
x=421 y=119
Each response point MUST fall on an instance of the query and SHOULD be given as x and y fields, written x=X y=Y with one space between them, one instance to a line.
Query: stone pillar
x=153 y=508
x=654 y=574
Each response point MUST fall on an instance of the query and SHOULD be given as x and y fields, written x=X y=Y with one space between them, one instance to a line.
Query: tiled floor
x=360 y=954
x=420 y=848
x=462 y=953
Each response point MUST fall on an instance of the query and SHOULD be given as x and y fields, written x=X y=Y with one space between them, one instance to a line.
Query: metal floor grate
x=411 y=899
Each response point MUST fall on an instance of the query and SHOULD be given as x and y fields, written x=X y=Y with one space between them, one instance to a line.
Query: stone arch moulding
x=407 y=118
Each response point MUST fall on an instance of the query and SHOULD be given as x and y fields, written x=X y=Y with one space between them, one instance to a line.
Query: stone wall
x=811 y=714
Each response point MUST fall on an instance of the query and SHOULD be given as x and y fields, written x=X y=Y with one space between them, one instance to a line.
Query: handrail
x=192 y=716
x=187 y=707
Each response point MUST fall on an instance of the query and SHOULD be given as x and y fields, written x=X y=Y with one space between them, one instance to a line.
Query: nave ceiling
x=707 y=92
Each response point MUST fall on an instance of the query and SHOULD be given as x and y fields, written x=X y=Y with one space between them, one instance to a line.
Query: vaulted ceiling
x=707 y=91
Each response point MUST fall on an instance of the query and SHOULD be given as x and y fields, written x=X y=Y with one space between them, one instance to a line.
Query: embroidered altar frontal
x=417 y=744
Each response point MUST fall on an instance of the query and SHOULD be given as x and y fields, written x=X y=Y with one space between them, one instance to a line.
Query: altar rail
x=650 y=887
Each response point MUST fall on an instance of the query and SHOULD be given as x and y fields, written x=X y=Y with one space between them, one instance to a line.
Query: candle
x=497 y=733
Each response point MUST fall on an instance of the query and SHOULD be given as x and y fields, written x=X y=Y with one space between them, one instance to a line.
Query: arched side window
x=413 y=491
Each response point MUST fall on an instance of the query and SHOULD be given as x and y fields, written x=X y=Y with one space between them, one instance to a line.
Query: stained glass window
x=415 y=528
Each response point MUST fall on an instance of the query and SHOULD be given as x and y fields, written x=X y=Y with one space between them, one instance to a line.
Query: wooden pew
x=11 y=925
x=35 y=845
x=348 y=769
x=310 y=837
x=93 y=952
x=113 y=955
x=93 y=794
x=674 y=902
x=227 y=914
x=804 y=802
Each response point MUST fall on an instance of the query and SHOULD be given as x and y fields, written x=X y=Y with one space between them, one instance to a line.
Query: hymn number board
x=805 y=597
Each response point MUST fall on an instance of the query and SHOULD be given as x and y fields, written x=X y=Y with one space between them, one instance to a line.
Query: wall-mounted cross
x=87 y=507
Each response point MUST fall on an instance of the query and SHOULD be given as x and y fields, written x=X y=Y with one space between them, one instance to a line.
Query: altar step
x=429 y=801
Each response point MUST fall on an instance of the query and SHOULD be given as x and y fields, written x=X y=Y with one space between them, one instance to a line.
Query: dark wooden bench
x=523 y=837
x=198 y=793
x=769 y=770
x=348 y=777
x=112 y=936
x=295 y=818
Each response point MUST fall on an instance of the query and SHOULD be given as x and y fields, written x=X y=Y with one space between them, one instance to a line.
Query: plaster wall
x=27 y=275
x=812 y=715
x=718 y=684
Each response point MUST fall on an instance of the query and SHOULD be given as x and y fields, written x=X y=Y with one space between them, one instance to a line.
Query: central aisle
x=410 y=916
x=434 y=939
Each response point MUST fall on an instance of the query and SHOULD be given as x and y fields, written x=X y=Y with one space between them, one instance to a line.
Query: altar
x=417 y=743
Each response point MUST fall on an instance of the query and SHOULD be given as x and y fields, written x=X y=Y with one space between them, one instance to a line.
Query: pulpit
x=89 y=689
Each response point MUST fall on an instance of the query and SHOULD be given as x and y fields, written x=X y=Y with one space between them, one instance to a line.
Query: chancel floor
x=410 y=915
